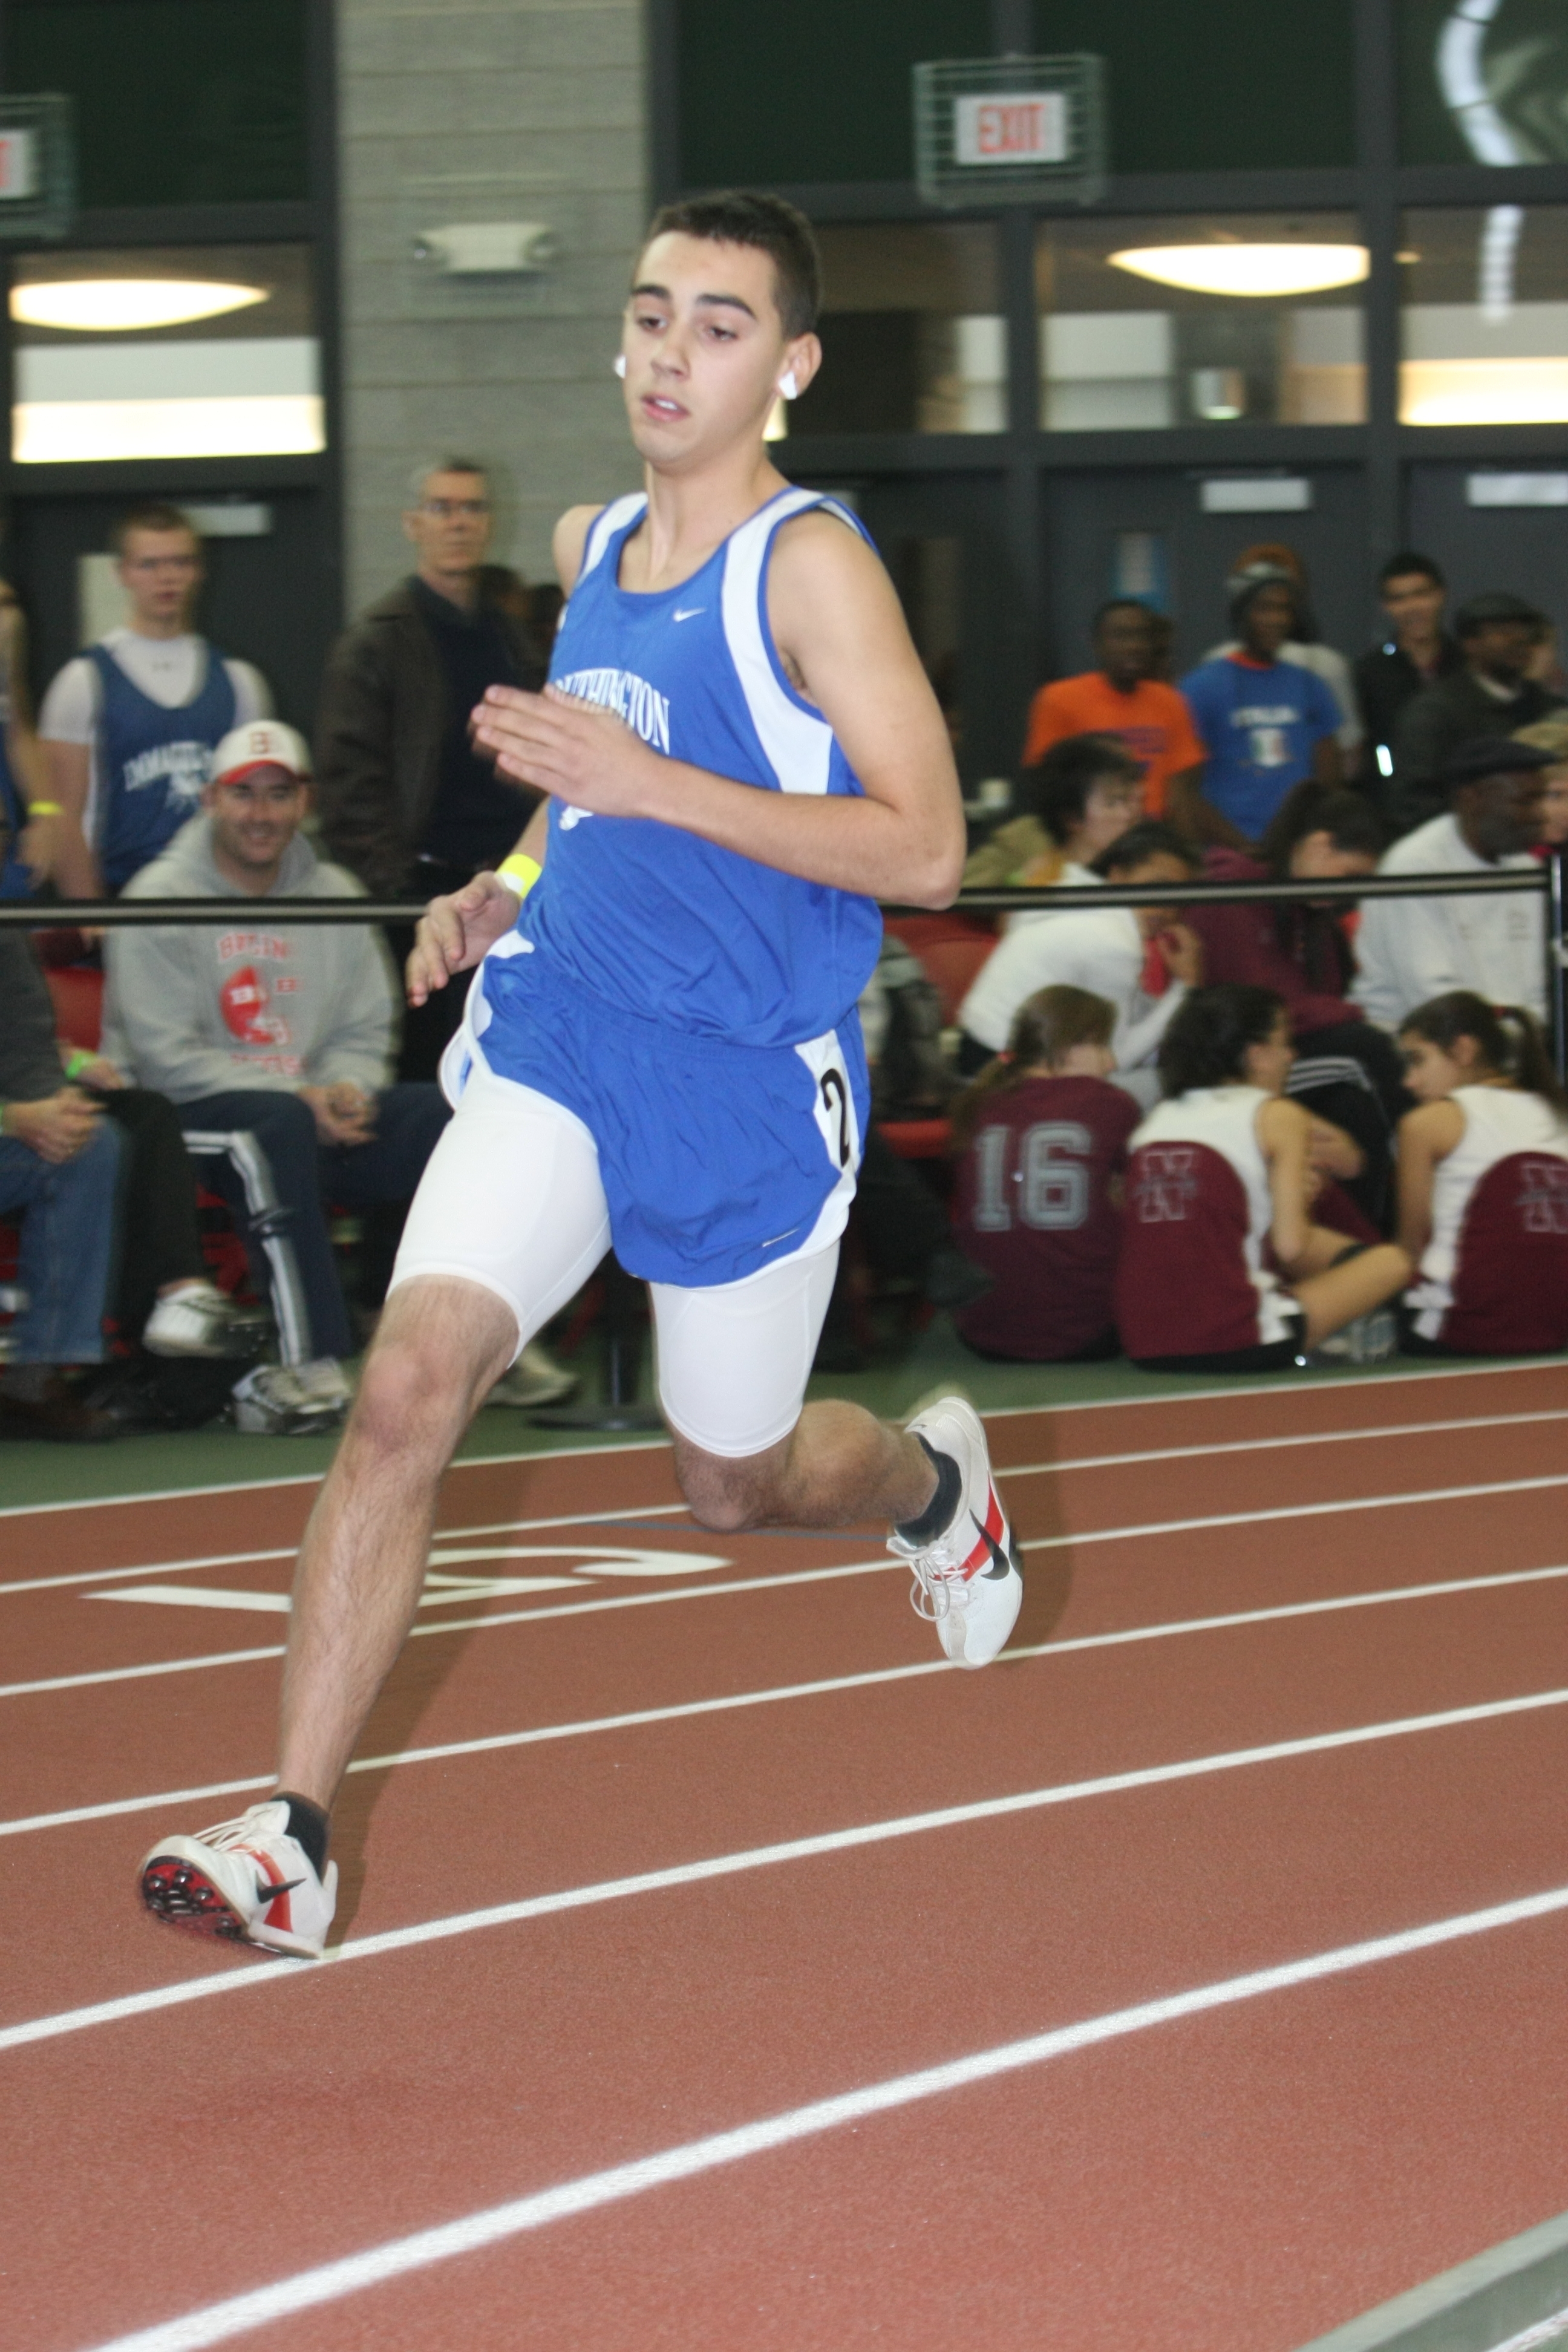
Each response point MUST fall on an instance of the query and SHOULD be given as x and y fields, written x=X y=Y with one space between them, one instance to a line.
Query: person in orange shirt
x=1124 y=698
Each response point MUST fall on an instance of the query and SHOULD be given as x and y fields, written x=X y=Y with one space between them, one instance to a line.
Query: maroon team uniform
x=1034 y=1208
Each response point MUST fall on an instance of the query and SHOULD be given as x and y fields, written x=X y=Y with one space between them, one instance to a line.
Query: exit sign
x=1023 y=130
x=1014 y=129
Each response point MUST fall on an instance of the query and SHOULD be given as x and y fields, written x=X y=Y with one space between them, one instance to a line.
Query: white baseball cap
x=265 y=743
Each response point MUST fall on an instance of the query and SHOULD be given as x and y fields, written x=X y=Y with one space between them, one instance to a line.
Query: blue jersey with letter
x=658 y=921
x=153 y=762
x=1260 y=722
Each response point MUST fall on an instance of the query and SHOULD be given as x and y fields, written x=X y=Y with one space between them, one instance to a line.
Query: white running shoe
x=248 y=1881
x=535 y=1378
x=292 y=1400
x=967 y=1580
x=199 y=1320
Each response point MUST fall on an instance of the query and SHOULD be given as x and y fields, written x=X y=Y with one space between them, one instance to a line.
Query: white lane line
x=677 y=1713
x=1273 y=1445
x=767 y=1857
x=314 y=1477
x=138 y=1674
x=1284 y=1388
x=287 y=1551
x=1293 y=1511
x=329 y=2281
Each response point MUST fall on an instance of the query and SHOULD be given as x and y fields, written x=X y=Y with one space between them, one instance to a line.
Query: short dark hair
x=1348 y=818
x=1400 y=566
x=1121 y=605
x=1207 y=1042
x=1148 y=838
x=1057 y=790
x=155 y=514
x=746 y=216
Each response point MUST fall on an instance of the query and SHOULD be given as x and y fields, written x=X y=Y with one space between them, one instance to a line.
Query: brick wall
x=454 y=109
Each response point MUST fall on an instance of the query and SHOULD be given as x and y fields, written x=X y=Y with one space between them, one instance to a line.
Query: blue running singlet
x=694 y=1008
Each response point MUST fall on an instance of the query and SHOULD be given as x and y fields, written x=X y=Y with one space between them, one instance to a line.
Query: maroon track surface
x=1234 y=2181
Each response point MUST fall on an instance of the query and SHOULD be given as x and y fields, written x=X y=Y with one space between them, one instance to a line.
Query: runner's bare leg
x=441 y=1344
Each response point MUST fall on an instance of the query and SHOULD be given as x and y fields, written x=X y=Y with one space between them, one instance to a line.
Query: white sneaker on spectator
x=967 y=1577
x=291 y=1400
x=198 y=1320
x=248 y=1881
x=535 y=1378
x=1369 y=1339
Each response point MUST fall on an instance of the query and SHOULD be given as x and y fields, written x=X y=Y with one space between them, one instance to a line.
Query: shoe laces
x=938 y=1585
x=244 y=1831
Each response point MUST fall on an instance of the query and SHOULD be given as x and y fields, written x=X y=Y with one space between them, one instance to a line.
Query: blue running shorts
x=717 y=1159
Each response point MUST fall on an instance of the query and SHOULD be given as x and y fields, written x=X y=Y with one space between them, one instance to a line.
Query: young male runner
x=740 y=751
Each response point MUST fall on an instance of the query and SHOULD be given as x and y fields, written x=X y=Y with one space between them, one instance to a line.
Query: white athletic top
x=1224 y=1120
x=1101 y=950
x=1072 y=877
x=1499 y=1120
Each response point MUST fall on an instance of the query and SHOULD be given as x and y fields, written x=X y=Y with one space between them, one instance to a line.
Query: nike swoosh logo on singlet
x=690 y=616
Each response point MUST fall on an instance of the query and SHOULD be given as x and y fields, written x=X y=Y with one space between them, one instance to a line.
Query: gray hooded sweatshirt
x=195 y=1009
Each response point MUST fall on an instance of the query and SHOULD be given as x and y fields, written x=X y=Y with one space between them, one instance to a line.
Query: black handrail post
x=1556 y=971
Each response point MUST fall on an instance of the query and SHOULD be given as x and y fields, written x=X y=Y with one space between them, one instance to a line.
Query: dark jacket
x=1433 y=727
x=1297 y=949
x=1386 y=681
x=379 y=730
x=29 y=1057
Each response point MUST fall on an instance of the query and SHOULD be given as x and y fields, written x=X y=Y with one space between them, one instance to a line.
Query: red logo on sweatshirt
x=247 y=1015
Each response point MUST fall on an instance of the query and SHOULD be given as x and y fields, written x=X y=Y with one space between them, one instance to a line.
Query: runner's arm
x=840 y=634
x=454 y=932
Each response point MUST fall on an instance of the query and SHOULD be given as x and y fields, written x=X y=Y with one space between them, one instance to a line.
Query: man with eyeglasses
x=275 y=1041
x=406 y=804
x=129 y=727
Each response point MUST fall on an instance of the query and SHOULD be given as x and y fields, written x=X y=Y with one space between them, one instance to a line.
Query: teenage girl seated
x=1083 y=795
x=1483 y=1183
x=1044 y=1138
x=1223 y=1268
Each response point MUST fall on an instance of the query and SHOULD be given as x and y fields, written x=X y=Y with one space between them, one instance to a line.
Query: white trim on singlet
x=603 y=527
x=796 y=743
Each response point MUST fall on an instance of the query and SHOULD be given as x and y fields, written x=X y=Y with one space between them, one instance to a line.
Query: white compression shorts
x=511 y=1200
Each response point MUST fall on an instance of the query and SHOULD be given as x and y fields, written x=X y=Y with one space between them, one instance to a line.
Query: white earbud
x=619 y=362
x=788 y=387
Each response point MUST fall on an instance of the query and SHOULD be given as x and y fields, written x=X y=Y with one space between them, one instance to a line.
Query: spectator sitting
x=1411 y=950
x=1492 y=694
x=274 y=1042
x=129 y=728
x=1272 y=560
x=1101 y=950
x=1123 y=697
x=1267 y=723
x=1221 y=1173
x=1084 y=794
x=1345 y=1069
x=1550 y=735
x=58 y=1164
x=1043 y=1140
x=408 y=804
x=1492 y=1254
x=1418 y=652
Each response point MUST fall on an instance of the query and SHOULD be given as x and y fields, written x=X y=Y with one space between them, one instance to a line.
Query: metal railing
x=1545 y=881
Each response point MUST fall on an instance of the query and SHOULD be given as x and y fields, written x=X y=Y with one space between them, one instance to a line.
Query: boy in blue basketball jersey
x=741 y=754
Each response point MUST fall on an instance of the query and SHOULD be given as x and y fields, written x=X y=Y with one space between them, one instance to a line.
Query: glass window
x=913 y=336
x=1483 y=84
x=177 y=101
x=1215 y=85
x=1200 y=320
x=164 y=352
x=1484 y=320
x=814 y=91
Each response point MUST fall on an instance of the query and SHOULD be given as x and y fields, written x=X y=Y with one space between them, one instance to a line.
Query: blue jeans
x=260 y=1150
x=67 y=1247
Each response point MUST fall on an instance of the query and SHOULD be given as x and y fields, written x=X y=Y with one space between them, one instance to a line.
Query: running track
x=721 y=1970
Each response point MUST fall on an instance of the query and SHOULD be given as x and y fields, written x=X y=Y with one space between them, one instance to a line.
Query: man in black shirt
x=1417 y=651
x=1489 y=695
x=405 y=802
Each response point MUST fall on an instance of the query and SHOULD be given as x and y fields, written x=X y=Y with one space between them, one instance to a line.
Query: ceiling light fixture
x=116 y=306
x=1250 y=270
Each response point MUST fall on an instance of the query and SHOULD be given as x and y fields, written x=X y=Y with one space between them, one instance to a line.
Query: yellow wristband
x=519 y=873
x=45 y=808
